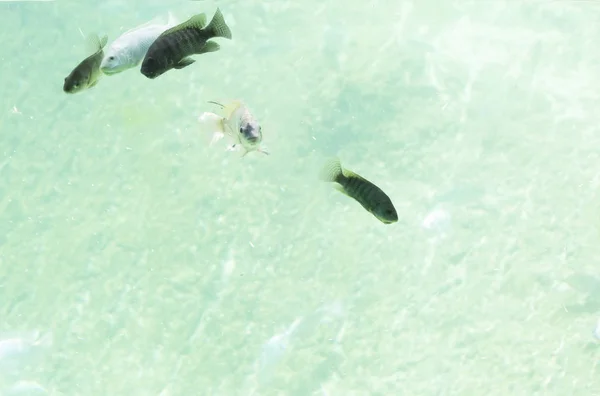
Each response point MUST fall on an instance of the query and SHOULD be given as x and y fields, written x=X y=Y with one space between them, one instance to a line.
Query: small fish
x=87 y=73
x=237 y=123
x=173 y=48
x=129 y=49
x=371 y=197
x=272 y=352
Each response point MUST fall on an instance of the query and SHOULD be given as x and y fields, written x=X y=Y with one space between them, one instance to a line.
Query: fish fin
x=349 y=173
x=263 y=149
x=230 y=107
x=95 y=43
x=217 y=135
x=217 y=26
x=341 y=189
x=158 y=20
x=332 y=171
x=102 y=42
x=217 y=103
x=198 y=21
x=184 y=63
x=210 y=46
x=213 y=124
x=93 y=84
x=211 y=119
x=92 y=42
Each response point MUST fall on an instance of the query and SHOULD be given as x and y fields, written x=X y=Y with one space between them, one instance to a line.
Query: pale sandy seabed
x=137 y=260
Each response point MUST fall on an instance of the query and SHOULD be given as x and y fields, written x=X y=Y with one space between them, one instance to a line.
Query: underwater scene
x=300 y=198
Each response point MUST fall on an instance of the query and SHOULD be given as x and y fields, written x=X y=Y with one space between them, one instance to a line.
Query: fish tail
x=95 y=43
x=217 y=26
x=102 y=43
x=213 y=125
x=332 y=171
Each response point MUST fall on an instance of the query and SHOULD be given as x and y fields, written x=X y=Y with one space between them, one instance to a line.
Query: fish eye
x=111 y=58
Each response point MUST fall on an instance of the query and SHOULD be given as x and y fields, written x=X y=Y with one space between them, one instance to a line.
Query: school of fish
x=159 y=46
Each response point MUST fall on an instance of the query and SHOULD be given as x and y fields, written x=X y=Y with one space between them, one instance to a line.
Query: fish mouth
x=69 y=90
x=150 y=75
x=109 y=72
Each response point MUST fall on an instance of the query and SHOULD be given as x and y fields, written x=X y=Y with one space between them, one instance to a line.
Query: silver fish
x=238 y=124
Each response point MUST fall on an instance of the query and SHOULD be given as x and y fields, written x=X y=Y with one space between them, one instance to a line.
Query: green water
x=135 y=259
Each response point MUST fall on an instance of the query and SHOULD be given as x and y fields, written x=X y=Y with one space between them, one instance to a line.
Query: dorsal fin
x=155 y=21
x=198 y=21
x=228 y=106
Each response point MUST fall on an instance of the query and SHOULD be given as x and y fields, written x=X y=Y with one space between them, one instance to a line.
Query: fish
x=173 y=48
x=238 y=123
x=371 y=197
x=87 y=73
x=129 y=49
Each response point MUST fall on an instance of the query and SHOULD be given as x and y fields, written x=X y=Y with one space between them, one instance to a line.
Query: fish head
x=153 y=67
x=250 y=133
x=115 y=61
x=386 y=213
x=75 y=82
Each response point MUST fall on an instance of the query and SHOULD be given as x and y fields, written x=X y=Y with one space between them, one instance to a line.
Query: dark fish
x=87 y=73
x=371 y=197
x=171 y=50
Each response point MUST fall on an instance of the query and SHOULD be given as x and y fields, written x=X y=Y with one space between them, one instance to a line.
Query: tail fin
x=95 y=43
x=332 y=171
x=217 y=26
x=212 y=124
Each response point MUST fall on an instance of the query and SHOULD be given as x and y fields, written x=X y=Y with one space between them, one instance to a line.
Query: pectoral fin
x=210 y=46
x=184 y=63
x=341 y=189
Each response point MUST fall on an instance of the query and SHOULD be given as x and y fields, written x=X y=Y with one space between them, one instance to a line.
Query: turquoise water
x=136 y=259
